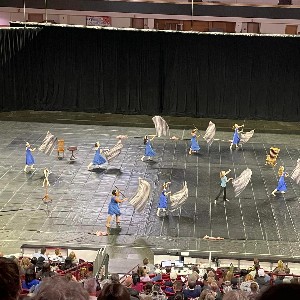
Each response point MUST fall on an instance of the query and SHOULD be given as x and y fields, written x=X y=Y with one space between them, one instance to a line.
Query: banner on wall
x=98 y=21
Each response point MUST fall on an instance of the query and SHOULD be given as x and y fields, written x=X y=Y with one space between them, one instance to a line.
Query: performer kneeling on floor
x=281 y=186
x=163 y=199
x=223 y=183
x=98 y=158
x=113 y=208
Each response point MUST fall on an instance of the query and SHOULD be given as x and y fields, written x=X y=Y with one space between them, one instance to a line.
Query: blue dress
x=98 y=158
x=281 y=187
x=163 y=200
x=113 y=208
x=148 y=150
x=194 y=144
x=29 y=157
x=236 y=137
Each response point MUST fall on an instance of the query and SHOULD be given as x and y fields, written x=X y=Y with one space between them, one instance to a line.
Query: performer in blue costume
x=281 y=186
x=149 y=152
x=98 y=158
x=236 y=137
x=163 y=199
x=29 y=157
x=113 y=208
x=194 y=143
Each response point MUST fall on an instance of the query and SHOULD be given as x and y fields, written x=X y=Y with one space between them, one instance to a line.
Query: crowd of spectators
x=43 y=278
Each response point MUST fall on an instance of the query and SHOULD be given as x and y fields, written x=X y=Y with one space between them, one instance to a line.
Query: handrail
x=122 y=279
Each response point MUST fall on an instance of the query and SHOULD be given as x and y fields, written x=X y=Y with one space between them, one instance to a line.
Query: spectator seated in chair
x=142 y=272
x=177 y=287
x=134 y=294
x=42 y=254
x=136 y=283
x=30 y=280
x=147 y=290
x=191 y=291
x=169 y=284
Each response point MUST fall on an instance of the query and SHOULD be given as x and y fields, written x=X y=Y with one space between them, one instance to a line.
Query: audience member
x=191 y=291
x=149 y=267
x=40 y=263
x=10 y=286
x=134 y=294
x=67 y=264
x=157 y=276
x=169 y=284
x=57 y=257
x=177 y=287
x=73 y=258
x=114 y=291
x=1 y=254
x=245 y=285
x=235 y=295
x=144 y=277
x=261 y=280
x=147 y=290
x=254 y=291
x=25 y=264
x=57 y=287
x=157 y=293
x=115 y=278
x=136 y=283
x=41 y=254
x=90 y=285
x=45 y=272
x=282 y=291
x=30 y=280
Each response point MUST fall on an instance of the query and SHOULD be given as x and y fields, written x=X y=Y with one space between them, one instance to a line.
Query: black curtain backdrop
x=154 y=73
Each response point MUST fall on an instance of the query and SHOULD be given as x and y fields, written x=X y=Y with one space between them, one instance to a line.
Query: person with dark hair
x=42 y=254
x=194 y=148
x=45 y=272
x=147 y=290
x=223 y=183
x=149 y=152
x=136 y=282
x=114 y=291
x=157 y=292
x=254 y=291
x=114 y=209
x=58 y=287
x=67 y=264
x=128 y=282
x=177 y=287
x=191 y=291
x=281 y=291
x=10 y=285
x=98 y=158
x=30 y=280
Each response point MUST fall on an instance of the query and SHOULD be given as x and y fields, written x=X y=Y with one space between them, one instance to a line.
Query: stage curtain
x=153 y=73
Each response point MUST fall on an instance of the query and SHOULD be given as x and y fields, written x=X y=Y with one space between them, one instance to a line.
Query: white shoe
x=215 y=202
x=227 y=200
